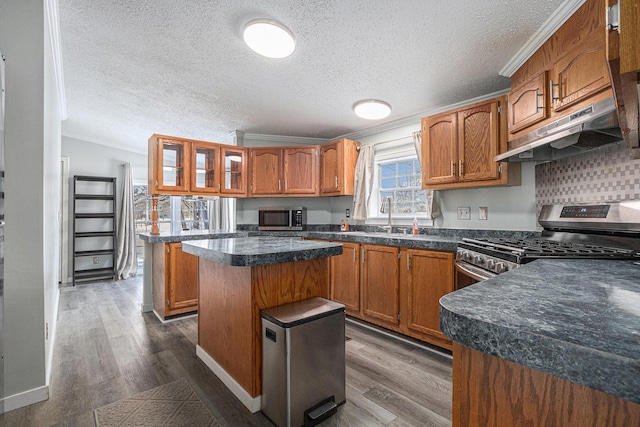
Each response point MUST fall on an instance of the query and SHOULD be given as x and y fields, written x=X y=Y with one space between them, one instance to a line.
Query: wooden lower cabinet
x=175 y=280
x=345 y=278
x=379 y=284
x=396 y=288
x=429 y=277
x=489 y=391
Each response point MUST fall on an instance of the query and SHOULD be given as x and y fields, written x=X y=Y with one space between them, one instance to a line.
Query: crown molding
x=53 y=20
x=415 y=119
x=282 y=139
x=550 y=26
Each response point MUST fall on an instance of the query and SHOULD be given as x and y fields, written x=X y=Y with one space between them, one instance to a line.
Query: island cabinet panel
x=430 y=276
x=300 y=171
x=379 y=272
x=175 y=280
x=345 y=278
x=230 y=329
x=489 y=391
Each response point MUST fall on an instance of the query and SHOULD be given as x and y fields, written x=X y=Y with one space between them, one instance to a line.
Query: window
x=400 y=179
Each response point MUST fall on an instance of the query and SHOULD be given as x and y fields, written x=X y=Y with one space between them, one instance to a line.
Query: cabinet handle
x=453 y=168
x=551 y=97
x=279 y=185
x=355 y=255
x=336 y=182
x=408 y=262
x=363 y=256
x=460 y=170
x=538 y=95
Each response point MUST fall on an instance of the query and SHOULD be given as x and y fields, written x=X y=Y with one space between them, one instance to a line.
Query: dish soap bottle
x=415 y=227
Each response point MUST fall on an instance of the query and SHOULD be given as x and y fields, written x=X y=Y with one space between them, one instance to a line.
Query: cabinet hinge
x=399 y=255
x=167 y=302
x=168 y=249
x=500 y=168
x=500 y=109
x=398 y=316
x=613 y=17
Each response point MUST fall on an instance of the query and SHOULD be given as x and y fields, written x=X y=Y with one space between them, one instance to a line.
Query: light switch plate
x=483 y=212
x=464 y=213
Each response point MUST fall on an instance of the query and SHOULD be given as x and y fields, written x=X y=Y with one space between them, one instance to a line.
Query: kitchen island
x=239 y=277
x=555 y=342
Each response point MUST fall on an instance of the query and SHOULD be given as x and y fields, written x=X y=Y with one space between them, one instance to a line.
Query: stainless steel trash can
x=303 y=361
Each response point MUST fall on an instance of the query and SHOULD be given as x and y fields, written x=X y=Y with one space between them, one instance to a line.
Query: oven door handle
x=474 y=272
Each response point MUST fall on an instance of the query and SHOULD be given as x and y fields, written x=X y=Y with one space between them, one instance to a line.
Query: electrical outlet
x=483 y=212
x=348 y=213
x=464 y=213
x=96 y=260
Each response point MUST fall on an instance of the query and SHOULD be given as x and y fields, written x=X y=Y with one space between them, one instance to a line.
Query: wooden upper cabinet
x=205 y=160
x=478 y=142
x=579 y=74
x=300 y=171
x=171 y=165
x=439 y=148
x=458 y=147
x=528 y=104
x=337 y=167
x=266 y=170
x=380 y=283
x=190 y=167
x=233 y=170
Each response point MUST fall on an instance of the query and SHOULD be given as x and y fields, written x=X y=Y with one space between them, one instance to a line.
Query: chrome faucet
x=387 y=201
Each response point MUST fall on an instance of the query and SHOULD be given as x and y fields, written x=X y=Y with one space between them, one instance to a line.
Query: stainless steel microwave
x=280 y=218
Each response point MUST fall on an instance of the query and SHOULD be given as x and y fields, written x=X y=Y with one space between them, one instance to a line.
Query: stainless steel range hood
x=590 y=128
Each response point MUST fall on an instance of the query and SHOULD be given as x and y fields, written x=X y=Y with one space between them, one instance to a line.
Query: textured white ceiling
x=133 y=68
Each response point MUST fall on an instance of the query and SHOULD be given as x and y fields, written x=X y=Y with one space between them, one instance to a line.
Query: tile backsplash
x=608 y=174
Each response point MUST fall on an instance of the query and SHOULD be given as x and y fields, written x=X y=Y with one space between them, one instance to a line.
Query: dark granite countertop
x=261 y=250
x=190 y=235
x=446 y=242
x=575 y=319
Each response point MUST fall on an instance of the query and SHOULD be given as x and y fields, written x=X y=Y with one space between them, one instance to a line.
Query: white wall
x=87 y=158
x=32 y=159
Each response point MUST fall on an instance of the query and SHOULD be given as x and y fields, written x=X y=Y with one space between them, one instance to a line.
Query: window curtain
x=126 y=261
x=433 y=211
x=222 y=213
x=363 y=181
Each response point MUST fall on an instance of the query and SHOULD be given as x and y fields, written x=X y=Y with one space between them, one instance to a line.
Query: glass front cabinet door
x=171 y=174
x=205 y=159
x=234 y=170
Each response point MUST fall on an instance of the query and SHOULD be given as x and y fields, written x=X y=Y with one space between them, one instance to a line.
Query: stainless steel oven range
x=590 y=231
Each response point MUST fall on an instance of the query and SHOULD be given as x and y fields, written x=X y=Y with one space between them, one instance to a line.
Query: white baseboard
x=25 y=398
x=173 y=319
x=253 y=404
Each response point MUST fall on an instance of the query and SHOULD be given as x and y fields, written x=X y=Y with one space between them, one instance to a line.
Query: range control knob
x=467 y=256
x=491 y=264
x=501 y=267
x=460 y=254
x=478 y=260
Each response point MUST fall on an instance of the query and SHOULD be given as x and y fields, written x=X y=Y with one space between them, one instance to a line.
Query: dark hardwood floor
x=107 y=350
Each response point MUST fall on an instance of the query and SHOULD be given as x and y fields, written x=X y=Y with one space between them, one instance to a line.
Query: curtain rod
x=386 y=142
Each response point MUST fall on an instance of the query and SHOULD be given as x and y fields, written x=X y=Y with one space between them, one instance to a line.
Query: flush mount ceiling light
x=269 y=38
x=372 y=109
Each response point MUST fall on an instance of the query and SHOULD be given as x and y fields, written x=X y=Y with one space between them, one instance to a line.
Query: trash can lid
x=297 y=313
